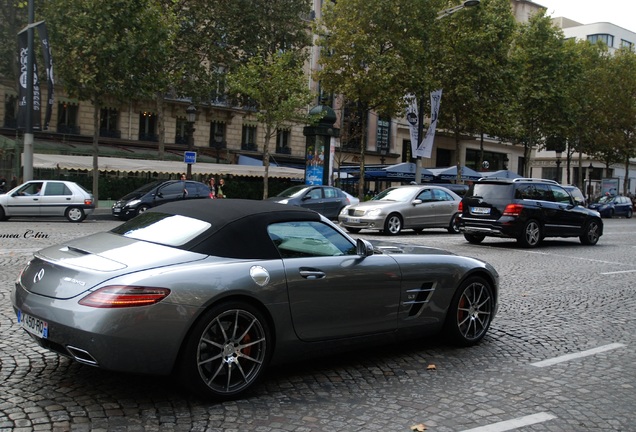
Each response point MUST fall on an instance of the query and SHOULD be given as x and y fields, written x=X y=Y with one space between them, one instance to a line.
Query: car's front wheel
x=142 y=209
x=226 y=351
x=474 y=238
x=470 y=312
x=393 y=224
x=74 y=214
x=2 y=215
x=629 y=213
x=531 y=234
x=591 y=234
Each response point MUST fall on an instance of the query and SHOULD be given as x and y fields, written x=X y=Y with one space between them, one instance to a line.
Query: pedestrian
x=220 y=189
x=185 y=189
x=212 y=185
x=14 y=182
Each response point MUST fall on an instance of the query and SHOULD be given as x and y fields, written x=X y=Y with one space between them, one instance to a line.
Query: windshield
x=395 y=194
x=605 y=199
x=161 y=228
x=292 y=191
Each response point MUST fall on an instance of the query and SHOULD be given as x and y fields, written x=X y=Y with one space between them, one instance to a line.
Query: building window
x=607 y=39
x=496 y=161
x=627 y=44
x=383 y=135
x=248 y=139
x=10 y=118
x=352 y=127
x=282 y=142
x=217 y=135
x=148 y=126
x=181 y=133
x=108 y=121
x=67 y=118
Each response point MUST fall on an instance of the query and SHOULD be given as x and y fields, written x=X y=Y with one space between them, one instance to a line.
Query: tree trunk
x=96 y=109
x=161 y=126
x=268 y=133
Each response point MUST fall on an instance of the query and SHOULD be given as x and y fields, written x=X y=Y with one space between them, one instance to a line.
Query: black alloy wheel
x=470 y=312
x=227 y=351
x=531 y=235
x=591 y=233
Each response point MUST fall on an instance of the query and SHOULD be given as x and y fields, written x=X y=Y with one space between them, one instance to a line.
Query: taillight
x=120 y=296
x=88 y=202
x=513 y=210
x=461 y=206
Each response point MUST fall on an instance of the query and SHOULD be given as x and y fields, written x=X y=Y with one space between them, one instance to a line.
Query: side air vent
x=417 y=297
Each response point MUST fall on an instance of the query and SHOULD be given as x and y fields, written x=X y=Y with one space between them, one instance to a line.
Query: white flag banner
x=426 y=146
x=412 y=119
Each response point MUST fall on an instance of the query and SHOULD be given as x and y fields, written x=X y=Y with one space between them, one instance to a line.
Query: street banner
x=48 y=63
x=426 y=146
x=412 y=119
x=23 y=50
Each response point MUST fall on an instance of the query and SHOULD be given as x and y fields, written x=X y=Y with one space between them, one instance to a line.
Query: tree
x=539 y=56
x=472 y=66
x=107 y=49
x=276 y=84
x=369 y=52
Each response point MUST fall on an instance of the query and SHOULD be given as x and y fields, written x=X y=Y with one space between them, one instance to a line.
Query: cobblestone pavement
x=559 y=299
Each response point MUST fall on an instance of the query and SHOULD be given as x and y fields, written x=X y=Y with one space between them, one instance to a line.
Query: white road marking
x=514 y=423
x=568 y=357
x=619 y=272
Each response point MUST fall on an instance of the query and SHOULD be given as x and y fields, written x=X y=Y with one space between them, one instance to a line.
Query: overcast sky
x=619 y=12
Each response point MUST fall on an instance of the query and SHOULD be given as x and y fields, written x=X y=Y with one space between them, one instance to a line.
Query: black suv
x=527 y=210
x=157 y=193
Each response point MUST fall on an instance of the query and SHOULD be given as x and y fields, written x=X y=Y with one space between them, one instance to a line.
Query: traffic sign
x=190 y=157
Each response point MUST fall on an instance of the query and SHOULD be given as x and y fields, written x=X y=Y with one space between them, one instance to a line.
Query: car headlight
x=283 y=201
x=374 y=212
x=344 y=210
x=132 y=203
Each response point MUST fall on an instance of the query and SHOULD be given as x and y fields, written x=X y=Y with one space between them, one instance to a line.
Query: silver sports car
x=216 y=290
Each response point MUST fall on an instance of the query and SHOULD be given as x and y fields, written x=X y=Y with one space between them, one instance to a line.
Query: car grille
x=355 y=212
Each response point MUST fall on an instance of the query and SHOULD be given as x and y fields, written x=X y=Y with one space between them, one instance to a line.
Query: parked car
x=527 y=210
x=216 y=290
x=326 y=200
x=576 y=193
x=609 y=206
x=157 y=193
x=404 y=207
x=47 y=198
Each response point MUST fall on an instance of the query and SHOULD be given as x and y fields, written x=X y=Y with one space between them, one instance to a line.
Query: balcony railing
x=110 y=133
x=68 y=129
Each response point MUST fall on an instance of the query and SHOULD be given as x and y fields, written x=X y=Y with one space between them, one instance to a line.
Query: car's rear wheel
x=353 y=230
x=629 y=213
x=591 y=233
x=393 y=224
x=453 y=227
x=142 y=209
x=74 y=214
x=474 y=238
x=470 y=312
x=226 y=351
x=531 y=235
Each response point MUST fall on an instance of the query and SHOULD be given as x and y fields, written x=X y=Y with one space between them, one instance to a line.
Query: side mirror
x=417 y=202
x=364 y=248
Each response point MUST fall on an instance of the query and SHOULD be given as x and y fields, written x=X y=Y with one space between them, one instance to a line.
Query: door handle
x=312 y=274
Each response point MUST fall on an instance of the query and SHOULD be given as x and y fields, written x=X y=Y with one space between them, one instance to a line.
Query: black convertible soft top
x=239 y=227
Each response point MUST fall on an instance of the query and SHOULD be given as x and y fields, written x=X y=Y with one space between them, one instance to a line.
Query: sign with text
x=190 y=157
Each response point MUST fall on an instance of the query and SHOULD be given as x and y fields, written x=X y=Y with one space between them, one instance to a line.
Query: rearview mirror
x=364 y=248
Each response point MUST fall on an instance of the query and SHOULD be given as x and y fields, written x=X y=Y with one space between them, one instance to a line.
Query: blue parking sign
x=190 y=157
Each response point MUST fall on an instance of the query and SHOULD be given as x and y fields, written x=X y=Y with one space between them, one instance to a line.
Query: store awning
x=50 y=161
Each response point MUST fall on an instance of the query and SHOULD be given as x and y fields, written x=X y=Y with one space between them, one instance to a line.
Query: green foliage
x=276 y=83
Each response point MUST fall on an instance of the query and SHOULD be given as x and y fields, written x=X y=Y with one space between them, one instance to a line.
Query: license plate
x=33 y=325
x=352 y=220
x=480 y=210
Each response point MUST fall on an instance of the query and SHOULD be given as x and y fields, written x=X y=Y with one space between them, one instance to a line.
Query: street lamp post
x=589 y=182
x=191 y=113
x=420 y=114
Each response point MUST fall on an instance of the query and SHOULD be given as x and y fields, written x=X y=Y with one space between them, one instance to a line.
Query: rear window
x=490 y=191
x=161 y=228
